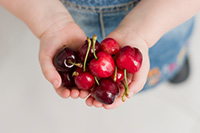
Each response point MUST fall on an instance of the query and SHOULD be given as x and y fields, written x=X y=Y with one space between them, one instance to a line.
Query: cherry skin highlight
x=102 y=67
x=119 y=75
x=106 y=92
x=129 y=58
x=110 y=46
x=64 y=59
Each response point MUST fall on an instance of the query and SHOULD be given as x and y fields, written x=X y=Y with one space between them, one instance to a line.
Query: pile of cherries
x=98 y=67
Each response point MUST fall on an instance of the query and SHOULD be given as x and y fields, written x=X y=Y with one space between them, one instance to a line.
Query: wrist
x=52 y=17
x=53 y=23
x=124 y=36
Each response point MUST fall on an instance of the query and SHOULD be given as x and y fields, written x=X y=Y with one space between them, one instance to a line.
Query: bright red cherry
x=110 y=46
x=67 y=79
x=65 y=59
x=103 y=66
x=83 y=80
x=129 y=58
x=83 y=50
x=119 y=75
x=106 y=91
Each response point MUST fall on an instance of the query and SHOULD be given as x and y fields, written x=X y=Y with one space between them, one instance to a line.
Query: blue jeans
x=101 y=17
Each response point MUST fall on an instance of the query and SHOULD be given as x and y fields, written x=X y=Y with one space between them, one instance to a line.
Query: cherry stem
x=115 y=76
x=76 y=64
x=126 y=92
x=75 y=74
x=96 y=80
x=89 y=45
x=94 y=39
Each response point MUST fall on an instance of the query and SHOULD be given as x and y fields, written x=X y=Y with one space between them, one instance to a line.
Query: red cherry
x=110 y=46
x=103 y=66
x=129 y=58
x=83 y=50
x=65 y=59
x=119 y=75
x=106 y=91
x=83 y=80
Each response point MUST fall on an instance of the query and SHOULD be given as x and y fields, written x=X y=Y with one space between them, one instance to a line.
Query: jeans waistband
x=100 y=5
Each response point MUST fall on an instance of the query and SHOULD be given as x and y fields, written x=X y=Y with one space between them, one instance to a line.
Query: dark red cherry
x=67 y=79
x=110 y=46
x=106 y=91
x=119 y=75
x=83 y=80
x=83 y=50
x=103 y=66
x=129 y=58
x=64 y=59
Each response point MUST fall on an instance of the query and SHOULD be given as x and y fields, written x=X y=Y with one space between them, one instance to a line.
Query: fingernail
x=55 y=83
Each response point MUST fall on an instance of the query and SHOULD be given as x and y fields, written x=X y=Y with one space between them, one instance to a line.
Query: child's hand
x=135 y=81
x=57 y=36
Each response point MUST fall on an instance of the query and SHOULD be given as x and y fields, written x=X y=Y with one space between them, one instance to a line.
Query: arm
x=142 y=27
x=39 y=15
x=150 y=19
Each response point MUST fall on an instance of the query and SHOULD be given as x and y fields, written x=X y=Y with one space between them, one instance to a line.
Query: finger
x=49 y=70
x=74 y=93
x=97 y=104
x=139 y=78
x=83 y=94
x=89 y=101
x=117 y=103
x=63 y=92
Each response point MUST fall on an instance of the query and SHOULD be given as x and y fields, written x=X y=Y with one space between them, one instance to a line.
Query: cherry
x=110 y=46
x=118 y=75
x=83 y=50
x=65 y=59
x=67 y=79
x=83 y=80
x=129 y=58
x=106 y=91
x=103 y=66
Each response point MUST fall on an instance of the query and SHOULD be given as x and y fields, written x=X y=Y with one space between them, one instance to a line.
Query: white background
x=29 y=104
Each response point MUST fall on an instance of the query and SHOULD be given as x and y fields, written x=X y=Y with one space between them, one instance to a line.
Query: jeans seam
x=101 y=9
x=102 y=25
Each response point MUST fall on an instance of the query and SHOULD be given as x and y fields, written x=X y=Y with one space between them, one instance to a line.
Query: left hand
x=137 y=80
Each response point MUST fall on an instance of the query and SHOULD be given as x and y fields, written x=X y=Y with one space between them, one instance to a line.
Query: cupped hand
x=135 y=81
x=58 y=35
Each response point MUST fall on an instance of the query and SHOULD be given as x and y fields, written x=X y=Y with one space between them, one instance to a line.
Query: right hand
x=58 y=35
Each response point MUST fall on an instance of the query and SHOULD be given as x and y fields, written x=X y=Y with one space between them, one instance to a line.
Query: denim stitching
x=102 y=25
x=101 y=9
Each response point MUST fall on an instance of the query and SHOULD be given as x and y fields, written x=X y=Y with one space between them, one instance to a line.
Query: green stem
x=96 y=80
x=115 y=76
x=94 y=39
x=75 y=74
x=126 y=92
x=89 y=45
x=76 y=64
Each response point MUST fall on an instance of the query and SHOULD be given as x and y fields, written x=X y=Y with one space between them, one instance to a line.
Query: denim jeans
x=101 y=17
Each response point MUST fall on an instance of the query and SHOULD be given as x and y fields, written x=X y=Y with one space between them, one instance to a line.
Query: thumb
x=48 y=69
